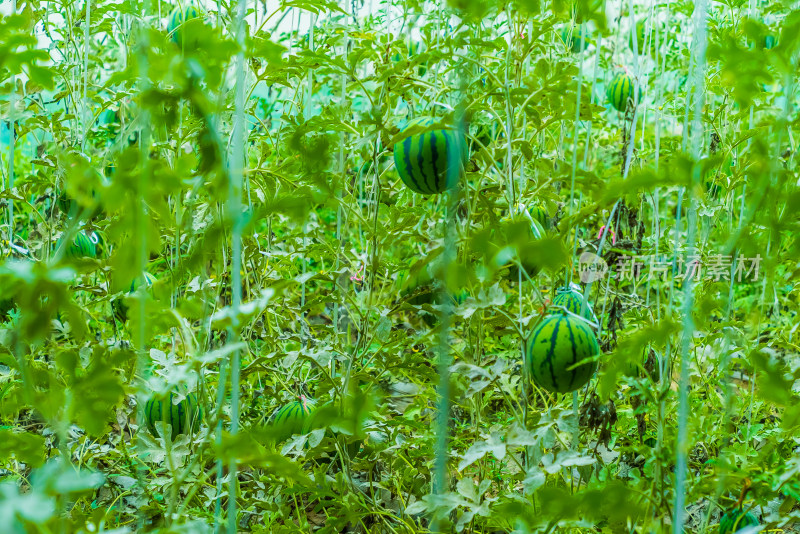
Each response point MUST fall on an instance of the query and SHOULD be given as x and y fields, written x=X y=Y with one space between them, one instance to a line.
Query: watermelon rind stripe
x=429 y=162
x=407 y=168
x=422 y=164
x=444 y=180
x=435 y=136
x=574 y=345
x=558 y=346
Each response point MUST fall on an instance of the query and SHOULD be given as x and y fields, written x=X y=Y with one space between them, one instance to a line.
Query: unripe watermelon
x=572 y=300
x=557 y=343
x=179 y=16
x=118 y=305
x=184 y=416
x=506 y=256
x=540 y=215
x=620 y=91
x=407 y=52
x=422 y=288
x=291 y=419
x=82 y=246
x=431 y=162
x=735 y=520
x=100 y=243
x=573 y=39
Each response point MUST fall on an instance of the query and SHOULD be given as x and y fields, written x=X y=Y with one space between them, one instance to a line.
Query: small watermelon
x=540 y=215
x=650 y=362
x=735 y=520
x=431 y=162
x=179 y=16
x=422 y=288
x=408 y=52
x=620 y=91
x=507 y=256
x=100 y=243
x=419 y=286
x=572 y=300
x=82 y=246
x=118 y=305
x=291 y=419
x=559 y=342
x=572 y=39
x=183 y=416
x=770 y=41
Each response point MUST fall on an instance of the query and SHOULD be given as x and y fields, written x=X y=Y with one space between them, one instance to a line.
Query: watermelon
x=179 y=16
x=770 y=41
x=540 y=215
x=431 y=162
x=422 y=288
x=83 y=246
x=572 y=300
x=735 y=520
x=407 y=52
x=506 y=257
x=100 y=243
x=118 y=305
x=417 y=288
x=559 y=342
x=651 y=363
x=620 y=91
x=183 y=416
x=572 y=39
x=291 y=419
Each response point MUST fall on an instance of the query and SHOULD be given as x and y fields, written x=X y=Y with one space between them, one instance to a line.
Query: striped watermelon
x=650 y=363
x=118 y=305
x=100 y=243
x=419 y=286
x=430 y=162
x=540 y=215
x=557 y=343
x=770 y=41
x=183 y=416
x=573 y=38
x=620 y=91
x=82 y=246
x=407 y=52
x=507 y=255
x=572 y=300
x=291 y=419
x=422 y=288
x=735 y=520
x=177 y=19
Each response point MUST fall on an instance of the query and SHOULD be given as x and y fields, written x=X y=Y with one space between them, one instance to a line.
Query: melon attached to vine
x=620 y=91
x=736 y=520
x=431 y=162
x=182 y=415
x=291 y=419
x=560 y=353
